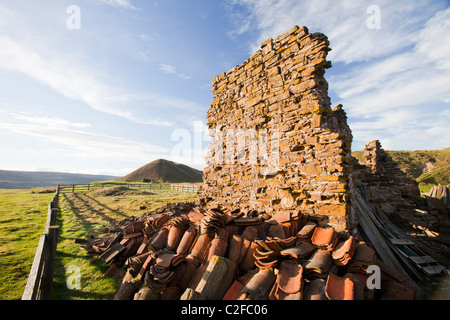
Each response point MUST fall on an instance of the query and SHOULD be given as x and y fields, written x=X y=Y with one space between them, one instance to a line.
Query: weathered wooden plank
x=423 y=260
x=415 y=250
x=34 y=278
x=112 y=252
x=366 y=220
x=51 y=218
x=433 y=270
x=49 y=263
x=404 y=242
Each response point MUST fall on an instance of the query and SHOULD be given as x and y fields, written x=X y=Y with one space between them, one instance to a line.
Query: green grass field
x=86 y=214
x=81 y=215
x=22 y=221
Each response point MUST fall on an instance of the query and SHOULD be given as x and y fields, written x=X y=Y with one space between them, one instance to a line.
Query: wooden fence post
x=31 y=291
x=49 y=264
x=40 y=279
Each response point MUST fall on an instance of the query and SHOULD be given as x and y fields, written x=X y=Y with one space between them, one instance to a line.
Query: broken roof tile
x=318 y=264
x=363 y=257
x=359 y=282
x=247 y=221
x=315 y=290
x=290 y=276
x=195 y=216
x=217 y=247
x=165 y=260
x=344 y=251
x=307 y=231
x=260 y=284
x=250 y=233
x=174 y=237
x=364 y=252
x=338 y=288
x=159 y=240
x=199 y=249
x=248 y=261
x=291 y=228
x=134 y=226
x=234 y=292
x=277 y=294
x=324 y=238
x=187 y=240
x=300 y=251
x=276 y=230
x=265 y=263
x=173 y=260
x=234 y=247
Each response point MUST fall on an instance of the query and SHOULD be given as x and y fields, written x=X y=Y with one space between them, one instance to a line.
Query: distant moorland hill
x=164 y=170
x=31 y=179
x=425 y=166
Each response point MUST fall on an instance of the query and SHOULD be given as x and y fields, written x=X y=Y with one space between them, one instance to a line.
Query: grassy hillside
x=30 y=179
x=166 y=171
x=425 y=166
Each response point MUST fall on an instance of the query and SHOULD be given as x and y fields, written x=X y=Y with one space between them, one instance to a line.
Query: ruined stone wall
x=387 y=187
x=386 y=172
x=277 y=103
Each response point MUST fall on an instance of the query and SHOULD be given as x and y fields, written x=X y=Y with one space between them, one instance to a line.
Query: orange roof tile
x=338 y=288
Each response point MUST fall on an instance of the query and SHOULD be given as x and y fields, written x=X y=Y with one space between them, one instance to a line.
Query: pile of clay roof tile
x=285 y=257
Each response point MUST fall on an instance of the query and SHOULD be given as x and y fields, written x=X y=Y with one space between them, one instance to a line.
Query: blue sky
x=131 y=82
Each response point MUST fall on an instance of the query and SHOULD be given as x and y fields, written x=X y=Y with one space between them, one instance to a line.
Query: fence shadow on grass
x=61 y=290
x=120 y=213
x=88 y=228
x=91 y=212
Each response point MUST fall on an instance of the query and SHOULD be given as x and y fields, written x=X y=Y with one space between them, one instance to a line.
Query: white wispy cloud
x=158 y=101
x=119 y=3
x=49 y=121
x=74 y=74
x=344 y=22
x=79 y=82
x=413 y=77
x=184 y=77
x=87 y=144
x=392 y=81
x=403 y=98
x=167 y=68
x=70 y=79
